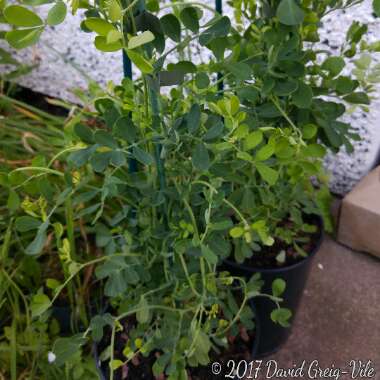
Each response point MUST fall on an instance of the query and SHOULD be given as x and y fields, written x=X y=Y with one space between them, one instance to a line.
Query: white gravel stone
x=347 y=169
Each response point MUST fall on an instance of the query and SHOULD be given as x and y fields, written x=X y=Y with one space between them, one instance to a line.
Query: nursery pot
x=273 y=335
x=62 y=314
x=103 y=370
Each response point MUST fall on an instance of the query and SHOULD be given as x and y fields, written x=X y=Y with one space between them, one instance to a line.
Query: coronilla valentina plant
x=154 y=189
x=155 y=223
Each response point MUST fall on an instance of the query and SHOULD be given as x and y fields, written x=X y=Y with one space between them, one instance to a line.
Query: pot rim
x=286 y=268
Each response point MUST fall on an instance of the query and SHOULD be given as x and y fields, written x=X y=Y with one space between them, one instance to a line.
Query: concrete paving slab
x=359 y=220
x=339 y=317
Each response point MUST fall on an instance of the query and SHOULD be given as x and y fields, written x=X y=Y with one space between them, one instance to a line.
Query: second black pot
x=272 y=335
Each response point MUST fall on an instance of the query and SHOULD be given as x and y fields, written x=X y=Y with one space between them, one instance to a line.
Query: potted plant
x=212 y=166
x=294 y=95
x=151 y=237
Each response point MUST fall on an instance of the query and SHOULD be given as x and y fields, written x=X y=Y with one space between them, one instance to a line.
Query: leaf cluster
x=155 y=188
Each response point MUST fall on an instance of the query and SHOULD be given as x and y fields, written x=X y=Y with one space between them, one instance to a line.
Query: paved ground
x=339 y=318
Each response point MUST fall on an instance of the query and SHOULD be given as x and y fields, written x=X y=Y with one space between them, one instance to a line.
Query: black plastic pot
x=272 y=335
x=63 y=316
x=103 y=371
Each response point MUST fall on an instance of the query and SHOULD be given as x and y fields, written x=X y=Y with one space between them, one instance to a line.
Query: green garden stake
x=127 y=66
x=219 y=9
x=127 y=69
x=218 y=6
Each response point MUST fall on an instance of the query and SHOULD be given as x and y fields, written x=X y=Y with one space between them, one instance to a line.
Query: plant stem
x=21 y=294
x=59 y=154
x=237 y=212
x=156 y=126
x=112 y=349
x=237 y=315
x=13 y=348
x=6 y=243
x=153 y=307
x=184 y=266
x=284 y=114
x=38 y=169
x=70 y=226
x=188 y=3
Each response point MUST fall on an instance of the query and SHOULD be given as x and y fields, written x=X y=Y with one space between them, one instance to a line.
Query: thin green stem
x=130 y=6
x=70 y=227
x=237 y=211
x=38 y=169
x=153 y=307
x=6 y=243
x=59 y=154
x=184 y=266
x=165 y=286
x=192 y=217
x=237 y=315
x=201 y=182
x=13 y=347
x=188 y=3
x=284 y=114
x=21 y=294
x=112 y=349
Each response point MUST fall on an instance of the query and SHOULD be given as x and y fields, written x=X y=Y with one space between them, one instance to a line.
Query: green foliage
x=281 y=316
x=119 y=274
x=201 y=157
x=215 y=173
x=99 y=26
x=334 y=65
x=278 y=287
x=27 y=223
x=376 y=7
x=202 y=81
x=140 y=40
x=143 y=64
x=66 y=348
x=171 y=27
x=190 y=18
x=219 y=29
x=290 y=13
x=114 y=10
x=40 y=303
x=20 y=39
x=36 y=246
x=20 y=16
x=57 y=13
x=193 y=118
